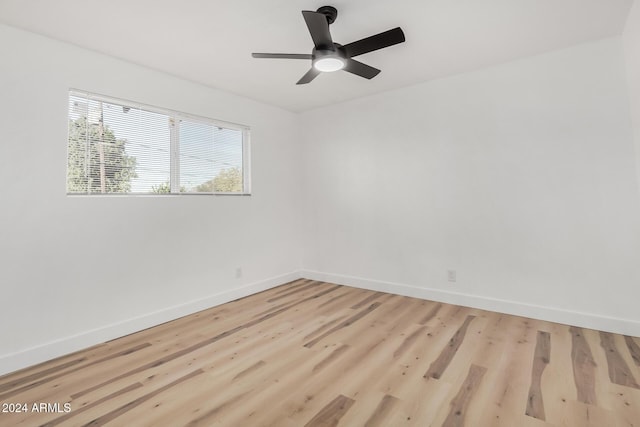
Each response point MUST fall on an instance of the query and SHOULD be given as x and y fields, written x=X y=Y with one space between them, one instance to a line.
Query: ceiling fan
x=328 y=56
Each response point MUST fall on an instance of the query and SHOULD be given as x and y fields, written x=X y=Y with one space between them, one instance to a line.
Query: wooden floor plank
x=624 y=403
x=308 y=286
x=634 y=349
x=542 y=356
x=409 y=341
x=460 y=403
x=619 y=372
x=112 y=415
x=351 y=320
x=379 y=417
x=374 y=296
x=438 y=367
x=583 y=367
x=315 y=353
x=75 y=413
x=557 y=382
x=330 y=415
x=502 y=395
x=431 y=313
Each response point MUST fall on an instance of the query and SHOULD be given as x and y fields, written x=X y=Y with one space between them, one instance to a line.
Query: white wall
x=520 y=177
x=631 y=40
x=75 y=271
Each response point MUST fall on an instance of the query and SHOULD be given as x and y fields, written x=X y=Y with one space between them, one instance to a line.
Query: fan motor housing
x=330 y=12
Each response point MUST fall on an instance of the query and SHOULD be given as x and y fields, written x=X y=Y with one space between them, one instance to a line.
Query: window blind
x=121 y=147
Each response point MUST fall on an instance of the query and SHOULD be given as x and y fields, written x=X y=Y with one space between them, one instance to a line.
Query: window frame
x=174 y=156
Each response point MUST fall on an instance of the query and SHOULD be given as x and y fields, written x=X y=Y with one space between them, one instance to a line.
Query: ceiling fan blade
x=379 y=41
x=319 y=29
x=311 y=74
x=283 y=55
x=360 y=69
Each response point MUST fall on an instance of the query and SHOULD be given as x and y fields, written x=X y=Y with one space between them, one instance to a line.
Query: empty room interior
x=313 y=213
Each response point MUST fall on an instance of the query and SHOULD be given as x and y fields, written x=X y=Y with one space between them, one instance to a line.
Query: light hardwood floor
x=317 y=354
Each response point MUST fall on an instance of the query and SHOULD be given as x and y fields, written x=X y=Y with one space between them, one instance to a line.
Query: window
x=125 y=148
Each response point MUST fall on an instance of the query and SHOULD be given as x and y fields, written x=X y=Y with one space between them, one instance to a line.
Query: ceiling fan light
x=329 y=64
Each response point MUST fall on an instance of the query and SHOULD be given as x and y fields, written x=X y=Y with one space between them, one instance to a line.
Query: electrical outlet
x=451 y=275
x=238 y=272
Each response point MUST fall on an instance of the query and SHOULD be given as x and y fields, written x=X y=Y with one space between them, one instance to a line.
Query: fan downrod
x=330 y=12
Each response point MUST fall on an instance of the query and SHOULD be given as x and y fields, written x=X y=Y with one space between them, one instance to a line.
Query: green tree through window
x=97 y=161
x=227 y=181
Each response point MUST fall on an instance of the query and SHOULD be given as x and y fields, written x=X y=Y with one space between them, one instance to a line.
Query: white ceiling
x=210 y=41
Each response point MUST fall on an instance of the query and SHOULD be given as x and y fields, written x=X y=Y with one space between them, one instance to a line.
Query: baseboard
x=548 y=313
x=31 y=356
